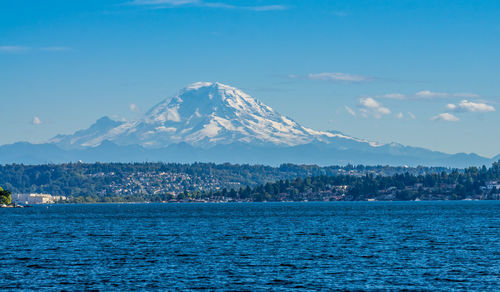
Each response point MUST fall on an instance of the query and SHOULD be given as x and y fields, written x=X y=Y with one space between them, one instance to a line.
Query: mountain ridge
x=213 y=122
x=315 y=153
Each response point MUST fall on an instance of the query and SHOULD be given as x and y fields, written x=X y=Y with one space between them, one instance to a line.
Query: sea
x=309 y=246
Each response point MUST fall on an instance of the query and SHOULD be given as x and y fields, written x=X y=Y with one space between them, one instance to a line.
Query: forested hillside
x=471 y=183
x=129 y=181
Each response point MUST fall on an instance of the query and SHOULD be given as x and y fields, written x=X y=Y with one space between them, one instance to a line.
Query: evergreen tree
x=5 y=197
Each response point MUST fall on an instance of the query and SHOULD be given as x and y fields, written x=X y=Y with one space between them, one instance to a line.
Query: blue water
x=261 y=246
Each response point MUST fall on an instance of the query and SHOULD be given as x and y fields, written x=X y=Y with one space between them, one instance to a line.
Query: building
x=36 y=198
x=491 y=185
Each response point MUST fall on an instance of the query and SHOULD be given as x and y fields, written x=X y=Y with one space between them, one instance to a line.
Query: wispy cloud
x=392 y=96
x=371 y=107
x=24 y=49
x=335 y=77
x=13 y=49
x=469 y=106
x=411 y=115
x=36 y=121
x=447 y=117
x=428 y=95
x=159 y=4
x=266 y=7
x=163 y=2
x=350 y=111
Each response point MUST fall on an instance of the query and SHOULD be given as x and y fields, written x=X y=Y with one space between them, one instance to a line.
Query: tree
x=5 y=197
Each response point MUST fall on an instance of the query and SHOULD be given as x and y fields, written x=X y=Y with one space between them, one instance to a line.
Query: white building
x=36 y=198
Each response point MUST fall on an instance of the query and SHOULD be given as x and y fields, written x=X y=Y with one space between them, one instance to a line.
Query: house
x=491 y=185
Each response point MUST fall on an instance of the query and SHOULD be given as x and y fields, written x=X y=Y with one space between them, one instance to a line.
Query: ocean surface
x=252 y=246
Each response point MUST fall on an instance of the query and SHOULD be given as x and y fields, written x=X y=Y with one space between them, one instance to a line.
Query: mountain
x=80 y=138
x=203 y=115
x=213 y=122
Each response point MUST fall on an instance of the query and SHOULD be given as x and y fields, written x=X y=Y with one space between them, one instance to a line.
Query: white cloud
x=266 y=7
x=411 y=115
x=369 y=102
x=168 y=2
x=400 y=116
x=371 y=107
x=13 y=49
x=133 y=107
x=22 y=49
x=451 y=106
x=337 y=77
x=465 y=94
x=445 y=117
x=199 y=3
x=350 y=111
x=428 y=95
x=36 y=121
x=469 y=106
x=393 y=96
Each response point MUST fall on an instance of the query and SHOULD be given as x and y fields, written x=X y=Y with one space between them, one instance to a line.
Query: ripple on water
x=306 y=246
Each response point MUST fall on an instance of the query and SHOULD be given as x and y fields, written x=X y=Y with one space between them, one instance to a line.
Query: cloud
x=411 y=115
x=428 y=95
x=350 y=111
x=167 y=2
x=266 y=7
x=159 y=4
x=392 y=96
x=400 y=116
x=469 y=106
x=36 y=121
x=13 y=49
x=445 y=117
x=134 y=108
x=23 y=49
x=339 y=77
x=371 y=107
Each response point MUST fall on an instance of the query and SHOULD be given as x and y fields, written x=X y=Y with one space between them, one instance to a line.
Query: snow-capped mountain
x=204 y=114
x=213 y=122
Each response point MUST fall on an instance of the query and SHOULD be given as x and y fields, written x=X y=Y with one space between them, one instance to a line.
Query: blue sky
x=421 y=73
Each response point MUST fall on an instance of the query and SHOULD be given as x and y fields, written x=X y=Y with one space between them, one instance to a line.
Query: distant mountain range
x=213 y=122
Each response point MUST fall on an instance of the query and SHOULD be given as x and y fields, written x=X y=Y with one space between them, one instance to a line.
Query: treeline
x=103 y=181
x=455 y=185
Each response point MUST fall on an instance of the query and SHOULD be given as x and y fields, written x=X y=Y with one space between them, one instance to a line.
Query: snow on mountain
x=205 y=114
x=79 y=138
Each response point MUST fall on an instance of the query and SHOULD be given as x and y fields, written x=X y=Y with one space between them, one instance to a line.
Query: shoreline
x=247 y=202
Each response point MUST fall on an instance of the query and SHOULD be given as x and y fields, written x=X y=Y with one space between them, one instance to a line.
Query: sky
x=419 y=73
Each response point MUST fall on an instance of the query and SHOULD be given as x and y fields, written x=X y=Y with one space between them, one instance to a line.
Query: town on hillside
x=207 y=182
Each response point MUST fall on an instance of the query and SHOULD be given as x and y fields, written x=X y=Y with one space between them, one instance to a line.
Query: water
x=278 y=246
